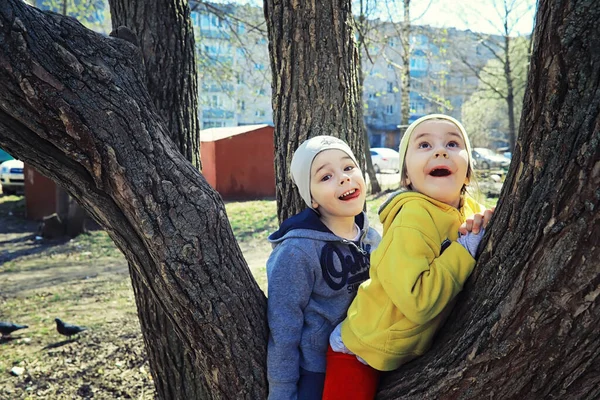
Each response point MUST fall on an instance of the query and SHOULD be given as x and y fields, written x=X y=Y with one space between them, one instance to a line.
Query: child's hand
x=470 y=241
x=476 y=222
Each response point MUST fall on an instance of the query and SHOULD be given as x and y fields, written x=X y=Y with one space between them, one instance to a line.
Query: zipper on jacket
x=360 y=249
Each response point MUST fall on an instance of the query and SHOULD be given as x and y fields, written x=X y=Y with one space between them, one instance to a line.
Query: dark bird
x=67 y=329
x=6 y=328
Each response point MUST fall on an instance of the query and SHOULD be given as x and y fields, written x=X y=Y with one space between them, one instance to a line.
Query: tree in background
x=76 y=107
x=233 y=62
x=93 y=14
x=362 y=29
x=487 y=108
x=506 y=67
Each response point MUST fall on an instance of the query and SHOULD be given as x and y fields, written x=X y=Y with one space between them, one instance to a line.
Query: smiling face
x=437 y=161
x=337 y=186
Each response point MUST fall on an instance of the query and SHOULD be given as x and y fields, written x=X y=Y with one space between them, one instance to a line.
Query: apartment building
x=235 y=75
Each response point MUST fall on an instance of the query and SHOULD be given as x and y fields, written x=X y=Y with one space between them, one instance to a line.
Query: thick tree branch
x=74 y=107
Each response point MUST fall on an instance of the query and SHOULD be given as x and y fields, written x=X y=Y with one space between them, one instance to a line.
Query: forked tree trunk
x=171 y=80
x=72 y=104
x=528 y=325
x=315 y=83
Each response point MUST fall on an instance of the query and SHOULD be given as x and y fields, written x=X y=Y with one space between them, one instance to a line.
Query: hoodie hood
x=307 y=224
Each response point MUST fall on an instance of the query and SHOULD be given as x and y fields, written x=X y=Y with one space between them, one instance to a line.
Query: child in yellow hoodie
x=419 y=267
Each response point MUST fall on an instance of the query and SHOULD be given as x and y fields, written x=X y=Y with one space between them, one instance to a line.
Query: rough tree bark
x=166 y=38
x=163 y=31
x=528 y=325
x=73 y=105
x=315 y=83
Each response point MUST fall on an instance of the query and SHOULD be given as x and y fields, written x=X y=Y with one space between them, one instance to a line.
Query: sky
x=477 y=15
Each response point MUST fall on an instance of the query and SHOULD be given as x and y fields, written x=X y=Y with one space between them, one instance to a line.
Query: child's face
x=437 y=162
x=337 y=186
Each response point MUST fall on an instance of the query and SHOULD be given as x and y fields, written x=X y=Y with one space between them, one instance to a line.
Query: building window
x=390 y=87
x=216 y=21
x=215 y=101
x=259 y=66
x=241 y=105
x=260 y=113
x=418 y=64
x=389 y=109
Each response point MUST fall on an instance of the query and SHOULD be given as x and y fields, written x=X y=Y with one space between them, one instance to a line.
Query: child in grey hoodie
x=320 y=257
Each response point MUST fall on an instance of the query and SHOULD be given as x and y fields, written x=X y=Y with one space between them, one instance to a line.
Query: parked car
x=486 y=159
x=11 y=176
x=385 y=159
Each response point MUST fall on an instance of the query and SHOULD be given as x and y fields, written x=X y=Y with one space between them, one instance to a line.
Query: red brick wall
x=40 y=194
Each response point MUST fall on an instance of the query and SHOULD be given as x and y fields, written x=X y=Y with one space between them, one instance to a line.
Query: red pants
x=346 y=378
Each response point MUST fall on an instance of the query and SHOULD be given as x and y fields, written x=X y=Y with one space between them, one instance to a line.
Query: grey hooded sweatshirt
x=313 y=276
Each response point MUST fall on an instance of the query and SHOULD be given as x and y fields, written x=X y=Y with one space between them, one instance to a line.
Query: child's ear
x=314 y=204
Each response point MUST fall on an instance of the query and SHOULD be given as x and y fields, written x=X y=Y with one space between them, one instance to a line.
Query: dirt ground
x=84 y=281
x=41 y=280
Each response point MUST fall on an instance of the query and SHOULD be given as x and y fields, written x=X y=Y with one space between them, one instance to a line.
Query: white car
x=385 y=159
x=486 y=159
x=11 y=177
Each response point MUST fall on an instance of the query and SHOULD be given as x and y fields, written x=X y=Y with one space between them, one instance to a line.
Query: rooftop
x=214 y=134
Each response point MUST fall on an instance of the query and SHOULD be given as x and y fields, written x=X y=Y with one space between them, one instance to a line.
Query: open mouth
x=440 y=171
x=350 y=194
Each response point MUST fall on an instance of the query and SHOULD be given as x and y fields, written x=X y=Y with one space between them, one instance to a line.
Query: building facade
x=235 y=72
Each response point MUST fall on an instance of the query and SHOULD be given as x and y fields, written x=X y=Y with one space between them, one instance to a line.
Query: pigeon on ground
x=6 y=328
x=67 y=329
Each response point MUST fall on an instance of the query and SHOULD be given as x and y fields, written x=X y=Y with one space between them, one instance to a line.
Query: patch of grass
x=251 y=220
x=93 y=244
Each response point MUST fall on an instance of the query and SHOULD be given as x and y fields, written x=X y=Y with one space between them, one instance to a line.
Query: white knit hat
x=304 y=156
x=412 y=127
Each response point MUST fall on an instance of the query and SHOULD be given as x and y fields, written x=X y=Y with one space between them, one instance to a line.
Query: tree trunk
x=528 y=325
x=171 y=80
x=369 y=170
x=315 y=84
x=72 y=104
x=405 y=77
x=510 y=93
x=166 y=38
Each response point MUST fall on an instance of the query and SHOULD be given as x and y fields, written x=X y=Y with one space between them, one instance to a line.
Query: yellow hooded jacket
x=413 y=282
